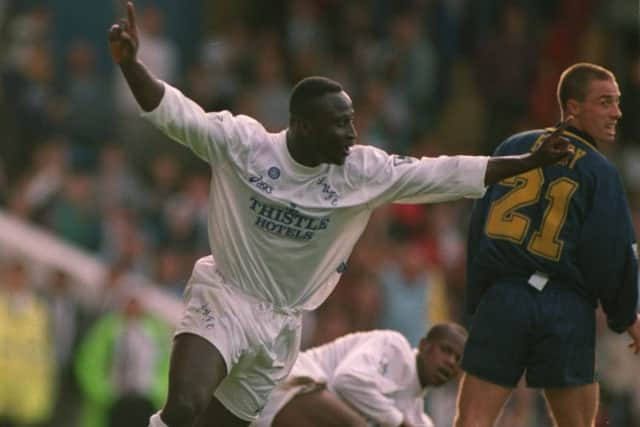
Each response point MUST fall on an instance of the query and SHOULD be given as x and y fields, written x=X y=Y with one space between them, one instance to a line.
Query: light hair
x=574 y=82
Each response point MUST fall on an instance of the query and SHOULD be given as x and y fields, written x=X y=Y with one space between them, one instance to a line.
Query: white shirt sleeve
x=370 y=375
x=392 y=178
x=209 y=135
x=417 y=417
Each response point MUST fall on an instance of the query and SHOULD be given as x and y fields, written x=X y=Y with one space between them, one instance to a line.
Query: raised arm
x=124 y=43
x=553 y=149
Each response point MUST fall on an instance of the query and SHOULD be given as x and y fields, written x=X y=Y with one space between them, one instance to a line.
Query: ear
x=573 y=108
x=301 y=125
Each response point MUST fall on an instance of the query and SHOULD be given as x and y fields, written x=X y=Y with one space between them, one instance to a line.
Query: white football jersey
x=281 y=231
x=374 y=372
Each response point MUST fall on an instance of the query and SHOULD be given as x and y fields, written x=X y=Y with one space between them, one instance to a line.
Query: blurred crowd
x=427 y=77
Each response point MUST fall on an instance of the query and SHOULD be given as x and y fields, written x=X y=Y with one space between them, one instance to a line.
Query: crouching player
x=366 y=378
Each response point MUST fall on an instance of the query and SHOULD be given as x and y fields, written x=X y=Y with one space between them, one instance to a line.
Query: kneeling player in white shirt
x=285 y=212
x=366 y=379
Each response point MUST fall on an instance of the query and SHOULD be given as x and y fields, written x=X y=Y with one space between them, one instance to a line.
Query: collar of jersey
x=583 y=137
x=293 y=164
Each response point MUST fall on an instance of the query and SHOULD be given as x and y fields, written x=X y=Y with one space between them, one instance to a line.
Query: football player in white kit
x=285 y=212
x=369 y=378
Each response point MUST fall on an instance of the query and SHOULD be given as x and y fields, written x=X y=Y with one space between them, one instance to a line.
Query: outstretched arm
x=123 y=43
x=552 y=150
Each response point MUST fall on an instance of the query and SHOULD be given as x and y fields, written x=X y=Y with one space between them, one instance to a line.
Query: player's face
x=332 y=129
x=441 y=361
x=599 y=113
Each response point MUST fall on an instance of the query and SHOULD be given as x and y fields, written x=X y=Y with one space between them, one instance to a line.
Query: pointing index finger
x=131 y=14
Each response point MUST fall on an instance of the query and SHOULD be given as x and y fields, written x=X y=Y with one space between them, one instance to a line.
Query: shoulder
x=391 y=339
x=519 y=142
x=368 y=160
x=242 y=134
x=363 y=154
x=239 y=122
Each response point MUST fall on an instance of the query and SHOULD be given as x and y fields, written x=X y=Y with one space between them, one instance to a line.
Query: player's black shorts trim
x=548 y=334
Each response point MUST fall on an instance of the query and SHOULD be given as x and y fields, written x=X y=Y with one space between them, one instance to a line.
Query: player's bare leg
x=316 y=409
x=216 y=415
x=479 y=402
x=573 y=406
x=196 y=370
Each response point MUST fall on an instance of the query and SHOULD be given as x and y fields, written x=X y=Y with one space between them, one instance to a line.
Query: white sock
x=156 y=421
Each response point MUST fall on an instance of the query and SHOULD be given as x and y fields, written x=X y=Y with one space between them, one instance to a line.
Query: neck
x=297 y=152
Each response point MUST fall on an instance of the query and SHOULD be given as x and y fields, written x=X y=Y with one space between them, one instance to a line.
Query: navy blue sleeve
x=606 y=252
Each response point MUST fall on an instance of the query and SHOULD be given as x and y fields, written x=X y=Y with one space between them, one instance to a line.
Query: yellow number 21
x=505 y=222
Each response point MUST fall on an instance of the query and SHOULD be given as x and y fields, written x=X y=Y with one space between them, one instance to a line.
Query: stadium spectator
x=27 y=361
x=74 y=215
x=299 y=197
x=68 y=321
x=122 y=365
x=545 y=248
x=366 y=378
x=414 y=293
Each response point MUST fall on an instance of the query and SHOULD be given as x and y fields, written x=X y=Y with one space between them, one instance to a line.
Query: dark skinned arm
x=123 y=43
x=552 y=150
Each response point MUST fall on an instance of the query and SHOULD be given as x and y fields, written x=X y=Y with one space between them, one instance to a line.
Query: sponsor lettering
x=286 y=222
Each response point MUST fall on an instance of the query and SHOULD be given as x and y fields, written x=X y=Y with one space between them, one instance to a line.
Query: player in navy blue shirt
x=545 y=247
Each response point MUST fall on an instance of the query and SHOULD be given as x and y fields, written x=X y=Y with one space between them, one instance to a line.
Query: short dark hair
x=307 y=90
x=444 y=330
x=575 y=80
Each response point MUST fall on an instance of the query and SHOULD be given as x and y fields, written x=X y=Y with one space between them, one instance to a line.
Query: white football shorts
x=258 y=342
x=306 y=376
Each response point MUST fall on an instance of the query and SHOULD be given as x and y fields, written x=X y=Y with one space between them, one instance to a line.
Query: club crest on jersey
x=273 y=172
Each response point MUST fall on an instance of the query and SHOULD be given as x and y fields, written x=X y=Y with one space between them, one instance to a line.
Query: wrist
x=530 y=161
x=128 y=64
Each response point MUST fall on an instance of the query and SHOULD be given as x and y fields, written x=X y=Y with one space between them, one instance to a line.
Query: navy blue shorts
x=548 y=334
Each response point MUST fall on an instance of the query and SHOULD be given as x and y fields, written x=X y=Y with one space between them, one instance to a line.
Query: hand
x=554 y=148
x=123 y=38
x=634 y=333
